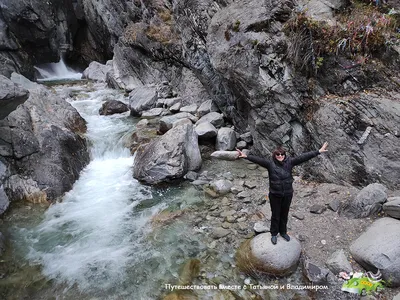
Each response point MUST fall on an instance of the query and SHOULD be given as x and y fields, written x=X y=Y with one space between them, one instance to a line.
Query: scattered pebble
x=299 y=216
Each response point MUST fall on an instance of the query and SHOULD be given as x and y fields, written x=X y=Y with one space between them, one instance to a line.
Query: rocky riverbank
x=225 y=222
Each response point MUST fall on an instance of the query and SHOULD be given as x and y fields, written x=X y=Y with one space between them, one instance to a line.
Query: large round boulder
x=260 y=255
x=379 y=248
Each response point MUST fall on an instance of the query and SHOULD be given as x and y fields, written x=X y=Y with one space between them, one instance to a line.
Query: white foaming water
x=57 y=71
x=93 y=235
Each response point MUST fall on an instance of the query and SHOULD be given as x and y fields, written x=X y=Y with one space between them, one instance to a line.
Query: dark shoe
x=274 y=239
x=286 y=237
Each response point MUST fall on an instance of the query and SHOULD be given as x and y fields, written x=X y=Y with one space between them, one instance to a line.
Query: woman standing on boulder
x=280 y=185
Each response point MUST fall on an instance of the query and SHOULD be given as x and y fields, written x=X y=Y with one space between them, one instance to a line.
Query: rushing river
x=98 y=242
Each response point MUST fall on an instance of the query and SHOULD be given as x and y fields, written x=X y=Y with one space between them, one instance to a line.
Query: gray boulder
x=260 y=255
x=176 y=107
x=225 y=155
x=11 y=95
x=97 y=71
x=191 y=176
x=23 y=81
x=167 y=121
x=165 y=90
x=111 y=107
x=241 y=145
x=153 y=113
x=226 y=139
x=219 y=232
x=392 y=207
x=314 y=273
x=169 y=157
x=206 y=130
x=142 y=98
x=169 y=102
x=367 y=202
x=206 y=107
x=261 y=227
x=214 y=118
x=379 y=248
x=43 y=139
x=181 y=122
x=338 y=262
x=246 y=137
x=221 y=186
x=191 y=109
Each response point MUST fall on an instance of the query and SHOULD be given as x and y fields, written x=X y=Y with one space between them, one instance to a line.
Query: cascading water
x=57 y=71
x=89 y=237
x=97 y=242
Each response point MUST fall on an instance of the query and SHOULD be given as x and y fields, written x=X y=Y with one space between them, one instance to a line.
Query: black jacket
x=280 y=173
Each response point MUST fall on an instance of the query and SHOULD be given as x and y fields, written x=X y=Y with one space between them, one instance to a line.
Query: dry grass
x=160 y=29
x=131 y=33
x=162 y=33
x=363 y=30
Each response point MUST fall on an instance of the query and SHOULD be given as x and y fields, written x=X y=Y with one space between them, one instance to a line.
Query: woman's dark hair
x=277 y=151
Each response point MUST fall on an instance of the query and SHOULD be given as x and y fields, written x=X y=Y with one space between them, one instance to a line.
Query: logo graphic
x=364 y=284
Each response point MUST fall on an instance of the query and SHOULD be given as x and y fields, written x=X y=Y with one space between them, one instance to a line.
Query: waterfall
x=57 y=71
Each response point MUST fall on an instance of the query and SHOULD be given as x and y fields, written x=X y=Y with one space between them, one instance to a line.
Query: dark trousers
x=280 y=210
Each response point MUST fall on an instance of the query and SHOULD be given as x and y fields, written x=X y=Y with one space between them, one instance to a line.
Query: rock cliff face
x=238 y=54
x=33 y=32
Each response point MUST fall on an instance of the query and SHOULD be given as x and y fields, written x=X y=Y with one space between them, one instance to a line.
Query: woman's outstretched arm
x=260 y=161
x=308 y=155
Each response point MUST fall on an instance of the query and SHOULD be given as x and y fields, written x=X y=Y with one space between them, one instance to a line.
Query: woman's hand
x=241 y=154
x=323 y=148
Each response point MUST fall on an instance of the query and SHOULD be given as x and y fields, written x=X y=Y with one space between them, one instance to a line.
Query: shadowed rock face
x=11 y=95
x=33 y=33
